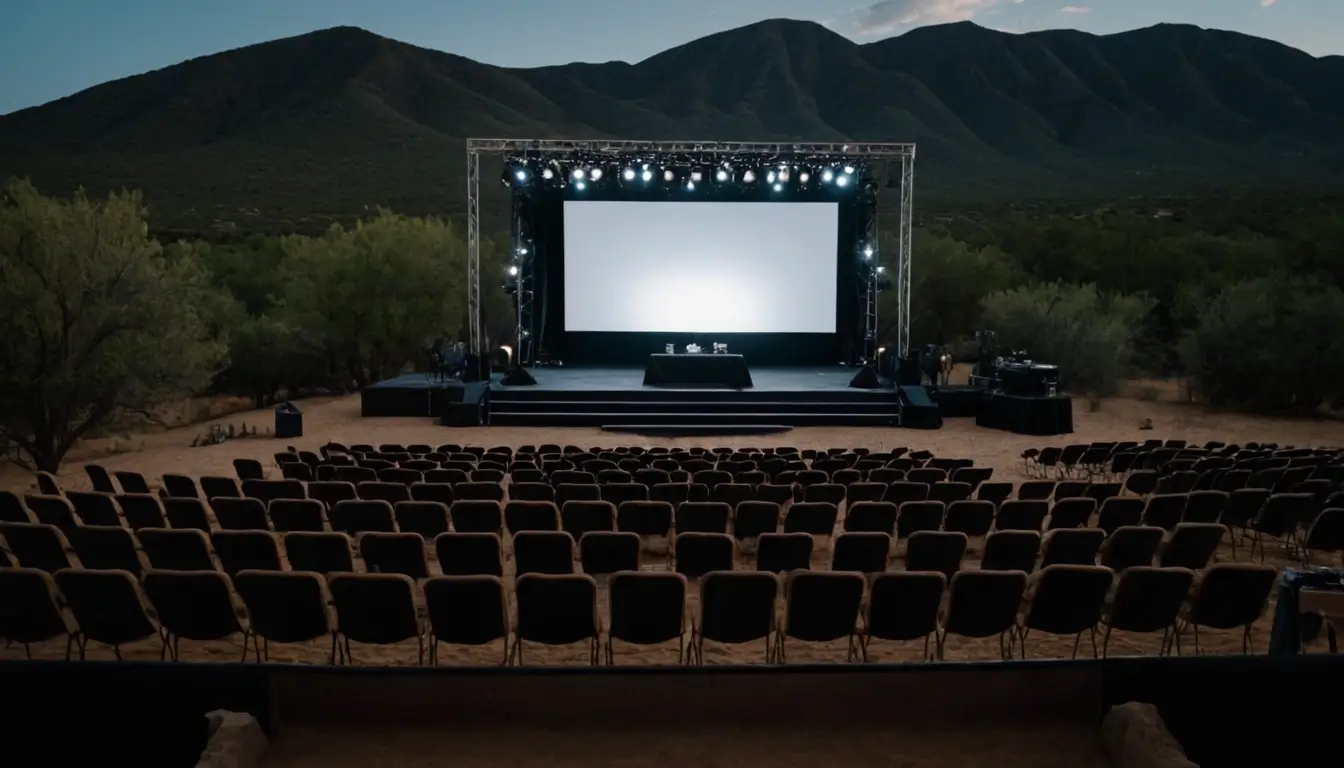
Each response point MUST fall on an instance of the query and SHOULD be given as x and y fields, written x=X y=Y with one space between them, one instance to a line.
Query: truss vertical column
x=475 y=344
x=903 y=257
x=870 y=260
x=523 y=255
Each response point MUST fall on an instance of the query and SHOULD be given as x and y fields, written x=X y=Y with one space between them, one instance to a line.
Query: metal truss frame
x=867 y=151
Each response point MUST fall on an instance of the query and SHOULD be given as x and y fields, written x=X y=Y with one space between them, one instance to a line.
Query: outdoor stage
x=617 y=397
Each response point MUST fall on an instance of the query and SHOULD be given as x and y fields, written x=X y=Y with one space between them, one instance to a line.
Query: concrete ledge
x=236 y=741
x=1136 y=737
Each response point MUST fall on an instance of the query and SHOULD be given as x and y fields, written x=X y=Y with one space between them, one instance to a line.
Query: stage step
x=870 y=406
x=639 y=417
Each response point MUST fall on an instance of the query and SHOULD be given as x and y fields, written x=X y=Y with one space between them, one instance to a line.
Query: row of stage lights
x=778 y=177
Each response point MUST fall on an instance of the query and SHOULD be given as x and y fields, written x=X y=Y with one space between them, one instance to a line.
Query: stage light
x=520 y=175
x=849 y=169
x=868 y=252
x=770 y=177
x=784 y=175
x=696 y=176
x=804 y=177
x=690 y=186
x=669 y=176
x=779 y=187
x=513 y=271
x=629 y=174
x=595 y=174
x=749 y=177
x=578 y=174
x=522 y=250
x=580 y=186
x=881 y=270
x=828 y=175
x=647 y=175
x=547 y=174
x=721 y=176
x=842 y=181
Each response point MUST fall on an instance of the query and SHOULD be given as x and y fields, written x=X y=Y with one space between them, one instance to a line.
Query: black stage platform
x=617 y=397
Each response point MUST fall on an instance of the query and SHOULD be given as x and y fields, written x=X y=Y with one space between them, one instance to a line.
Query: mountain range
x=294 y=133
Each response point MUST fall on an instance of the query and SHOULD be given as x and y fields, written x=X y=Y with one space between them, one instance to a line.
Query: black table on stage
x=715 y=371
x=1027 y=415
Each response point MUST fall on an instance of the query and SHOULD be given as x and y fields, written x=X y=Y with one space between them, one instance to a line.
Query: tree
x=95 y=319
x=374 y=295
x=1270 y=344
x=1087 y=334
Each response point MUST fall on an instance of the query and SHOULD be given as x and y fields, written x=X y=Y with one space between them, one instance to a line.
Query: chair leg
x=335 y=648
x=1092 y=634
x=420 y=642
x=939 y=641
x=116 y=651
x=1106 y=642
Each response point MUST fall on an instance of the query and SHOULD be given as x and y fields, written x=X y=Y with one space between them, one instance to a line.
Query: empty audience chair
x=903 y=606
x=982 y=604
x=647 y=609
x=550 y=552
x=532 y=492
x=1131 y=546
x=697 y=553
x=1164 y=511
x=469 y=554
x=1227 y=596
x=184 y=512
x=296 y=515
x=217 y=487
x=1326 y=534
x=672 y=493
x=106 y=548
x=995 y=493
x=12 y=509
x=176 y=549
x=108 y=607
x=618 y=493
x=1205 y=507
x=735 y=608
x=870 y=491
x=381 y=491
x=1119 y=512
x=1192 y=546
x=468 y=610
x=1071 y=546
x=520 y=516
x=377 y=609
x=100 y=479
x=940 y=551
x=556 y=609
x=821 y=606
x=948 y=492
x=31 y=610
x=51 y=510
x=426 y=519
x=753 y=518
x=1065 y=600
x=580 y=517
x=605 y=552
x=246 y=550
x=193 y=605
x=477 y=516
x=95 y=508
x=245 y=514
x=702 y=517
x=491 y=491
x=1011 y=551
x=916 y=516
x=402 y=553
x=1071 y=513
x=861 y=552
x=1021 y=515
x=646 y=518
x=321 y=553
x=362 y=516
x=1146 y=599
x=784 y=552
x=973 y=518
x=331 y=492
x=1278 y=519
x=901 y=492
x=868 y=517
x=249 y=469
x=37 y=546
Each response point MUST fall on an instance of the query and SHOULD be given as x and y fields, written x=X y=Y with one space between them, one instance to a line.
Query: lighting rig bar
x=840 y=167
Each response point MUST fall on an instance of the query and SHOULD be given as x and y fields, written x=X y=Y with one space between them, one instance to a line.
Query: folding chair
x=31 y=611
x=38 y=546
x=861 y=552
x=108 y=607
x=1131 y=546
x=469 y=554
x=95 y=508
x=106 y=548
x=735 y=608
x=647 y=609
x=784 y=552
x=903 y=606
x=321 y=553
x=1065 y=600
x=193 y=605
x=376 y=609
x=1227 y=596
x=821 y=607
x=286 y=607
x=466 y=610
x=1146 y=600
x=402 y=553
x=982 y=604
x=557 y=609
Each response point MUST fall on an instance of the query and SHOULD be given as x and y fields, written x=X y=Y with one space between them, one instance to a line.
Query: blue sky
x=52 y=48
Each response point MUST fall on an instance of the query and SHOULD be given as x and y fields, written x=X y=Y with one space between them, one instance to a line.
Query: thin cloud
x=1266 y=3
x=1088 y=8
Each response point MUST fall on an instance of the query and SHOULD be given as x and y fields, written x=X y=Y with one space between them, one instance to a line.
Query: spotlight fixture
x=547 y=174
x=849 y=169
x=770 y=177
x=828 y=176
x=696 y=176
x=647 y=175
x=690 y=186
x=749 y=177
x=669 y=176
x=520 y=175
x=580 y=185
x=804 y=177
x=881 y=270
x=779 y=187
x=784 y=174
x=578 y=174
x=868 y=252
x=522 y=250
x=628 y=174
x=842 y=181
x=595 y=174
x=721 y=176
x=513 y=271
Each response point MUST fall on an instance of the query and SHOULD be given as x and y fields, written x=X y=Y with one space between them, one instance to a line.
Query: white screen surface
x=689 y=267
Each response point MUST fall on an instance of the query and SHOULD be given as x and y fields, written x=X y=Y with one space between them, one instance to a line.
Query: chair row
x=112 y=607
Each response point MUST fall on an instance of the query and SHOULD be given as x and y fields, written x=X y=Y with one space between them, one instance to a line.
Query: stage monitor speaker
x=518 y=376
x=464 y=406
x=1029 y=379
x=918 y=410
x=909 y=373
x=866 y=378
x=477 y=368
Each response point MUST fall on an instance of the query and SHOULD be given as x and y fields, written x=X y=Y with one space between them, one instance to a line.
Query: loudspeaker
x=918 y=410
x=866 y=378
x=461 y=415
x=518 y=377
x=1029 y=379
x=477 y=368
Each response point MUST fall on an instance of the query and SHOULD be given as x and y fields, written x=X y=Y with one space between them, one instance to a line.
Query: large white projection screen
x=689 y=267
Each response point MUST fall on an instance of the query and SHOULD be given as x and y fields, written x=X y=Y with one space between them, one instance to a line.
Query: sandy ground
x=338 y=419
x=706 y=748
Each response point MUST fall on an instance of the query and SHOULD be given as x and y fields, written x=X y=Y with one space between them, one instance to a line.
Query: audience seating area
x=555 y=545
